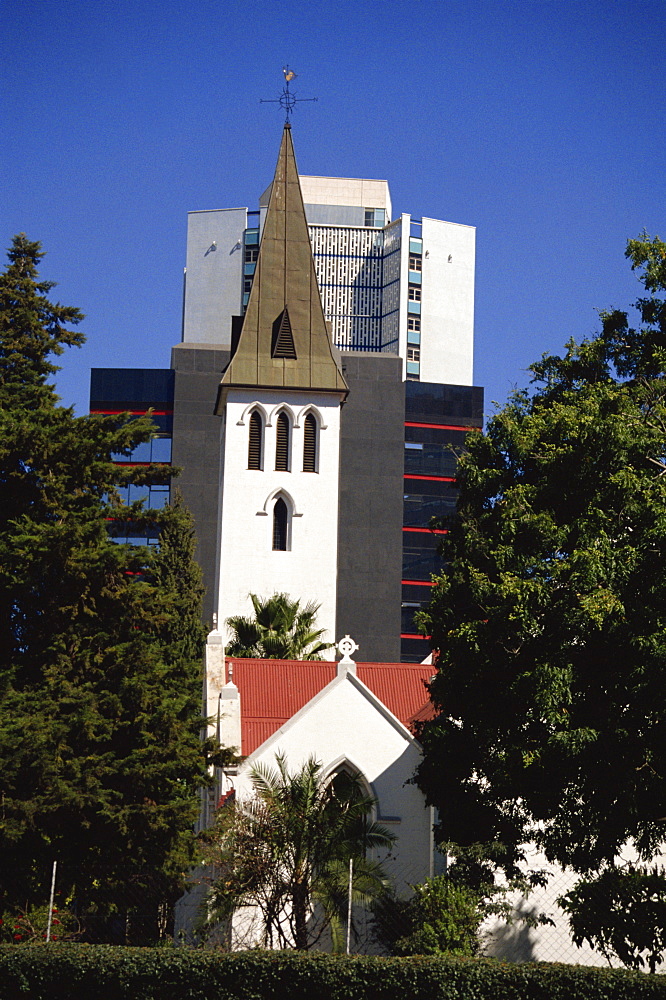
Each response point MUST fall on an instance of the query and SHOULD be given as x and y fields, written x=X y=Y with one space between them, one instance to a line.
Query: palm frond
x=281 y=629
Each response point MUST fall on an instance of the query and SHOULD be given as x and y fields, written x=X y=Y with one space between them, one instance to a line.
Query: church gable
x=345 y=727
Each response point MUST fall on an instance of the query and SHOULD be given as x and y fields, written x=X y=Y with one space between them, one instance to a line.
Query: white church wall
x=342 y=724
x=549 y=942
x=248 y=563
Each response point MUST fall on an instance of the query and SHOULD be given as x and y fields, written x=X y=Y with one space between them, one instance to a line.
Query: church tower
x=280 y=399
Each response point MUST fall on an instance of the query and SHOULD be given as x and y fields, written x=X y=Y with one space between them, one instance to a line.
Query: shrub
x=65 y=971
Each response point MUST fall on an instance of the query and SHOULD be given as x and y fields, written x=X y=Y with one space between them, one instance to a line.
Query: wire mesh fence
x=99 y=908
x=140 y=911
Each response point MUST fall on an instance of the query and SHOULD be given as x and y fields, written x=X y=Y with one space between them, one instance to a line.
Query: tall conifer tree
x=100 y=757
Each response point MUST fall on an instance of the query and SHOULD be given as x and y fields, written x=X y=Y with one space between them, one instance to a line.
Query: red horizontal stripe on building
x=417 y=583
x=427 y=531
x=441 y=427
x=432 y=479
x=413 y=635
x=135 y=413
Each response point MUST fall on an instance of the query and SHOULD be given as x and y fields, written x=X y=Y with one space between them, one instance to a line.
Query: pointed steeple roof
x=284 y=341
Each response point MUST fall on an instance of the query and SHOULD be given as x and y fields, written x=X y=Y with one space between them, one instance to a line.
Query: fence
x=98 y=906
x=142 y=910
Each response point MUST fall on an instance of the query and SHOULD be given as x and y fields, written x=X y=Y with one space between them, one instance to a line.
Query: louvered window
x=255 y=441
x=283 y=338
x=280 y=526
x=310 y=444
x=282 y=443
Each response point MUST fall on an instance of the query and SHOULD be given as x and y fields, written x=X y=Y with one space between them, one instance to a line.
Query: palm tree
x=287 y=852
x=280 y=630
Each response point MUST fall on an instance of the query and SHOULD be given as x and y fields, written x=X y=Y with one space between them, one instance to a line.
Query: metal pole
x=48 y=926
x=349 y=901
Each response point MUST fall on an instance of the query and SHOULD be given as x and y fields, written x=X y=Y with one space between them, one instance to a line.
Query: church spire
x=285 y=341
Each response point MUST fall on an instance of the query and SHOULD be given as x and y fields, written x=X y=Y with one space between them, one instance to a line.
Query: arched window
x=282 y=442
x=345 y=785
x=349 y=787
x=255 y=441
x=310 y=443
x=280 y=526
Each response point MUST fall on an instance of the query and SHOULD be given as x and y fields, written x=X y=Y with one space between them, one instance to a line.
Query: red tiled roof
x=271 y=691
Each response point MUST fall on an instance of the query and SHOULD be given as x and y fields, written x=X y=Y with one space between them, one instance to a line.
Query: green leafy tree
x=446 y=912
x=100 y=758
x=280 y=630
x=287 y=852
x=441 y=918
x=622 y=913
x=550 y=616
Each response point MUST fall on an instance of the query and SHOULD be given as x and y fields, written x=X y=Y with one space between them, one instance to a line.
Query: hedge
x=104 y=972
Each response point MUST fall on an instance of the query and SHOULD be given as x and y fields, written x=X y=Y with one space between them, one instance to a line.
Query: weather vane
x=288 y=100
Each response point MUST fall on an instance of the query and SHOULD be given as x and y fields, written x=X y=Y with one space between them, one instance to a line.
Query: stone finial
x=214 y=636
x=347 y=646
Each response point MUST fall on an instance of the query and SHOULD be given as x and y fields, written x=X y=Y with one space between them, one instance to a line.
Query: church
x=354 y=718
x=315 y=454
x=314 y=403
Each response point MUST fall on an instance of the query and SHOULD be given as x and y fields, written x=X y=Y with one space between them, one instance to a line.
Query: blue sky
x=540 y=122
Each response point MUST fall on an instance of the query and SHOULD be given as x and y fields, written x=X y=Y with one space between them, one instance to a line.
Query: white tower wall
x=248 y=563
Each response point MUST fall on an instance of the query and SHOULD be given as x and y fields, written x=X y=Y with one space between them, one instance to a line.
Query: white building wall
x=248 y=563
x=547 y=943
x=213 y=275
x=338 y=201
x=447 y=302
x=358 y=191
x=367 y=310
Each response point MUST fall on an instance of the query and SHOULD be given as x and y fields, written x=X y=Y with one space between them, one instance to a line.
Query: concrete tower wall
x=196 y=449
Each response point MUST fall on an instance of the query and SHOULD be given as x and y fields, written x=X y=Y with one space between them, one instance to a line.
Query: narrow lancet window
x=254 y=449
x=280 y=526
x=283 y=433
x=310 y=443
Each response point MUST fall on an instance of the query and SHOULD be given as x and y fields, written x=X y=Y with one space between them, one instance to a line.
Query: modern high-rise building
x=323 y=379
x=402 y=287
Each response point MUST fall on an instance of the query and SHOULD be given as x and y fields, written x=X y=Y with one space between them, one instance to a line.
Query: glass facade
x=430 y=402
x=113 y=390
x=137 y=390
x=375 y=218
x=420 y=554
x=156 y=450
x=425 y=499
x=437 y=421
